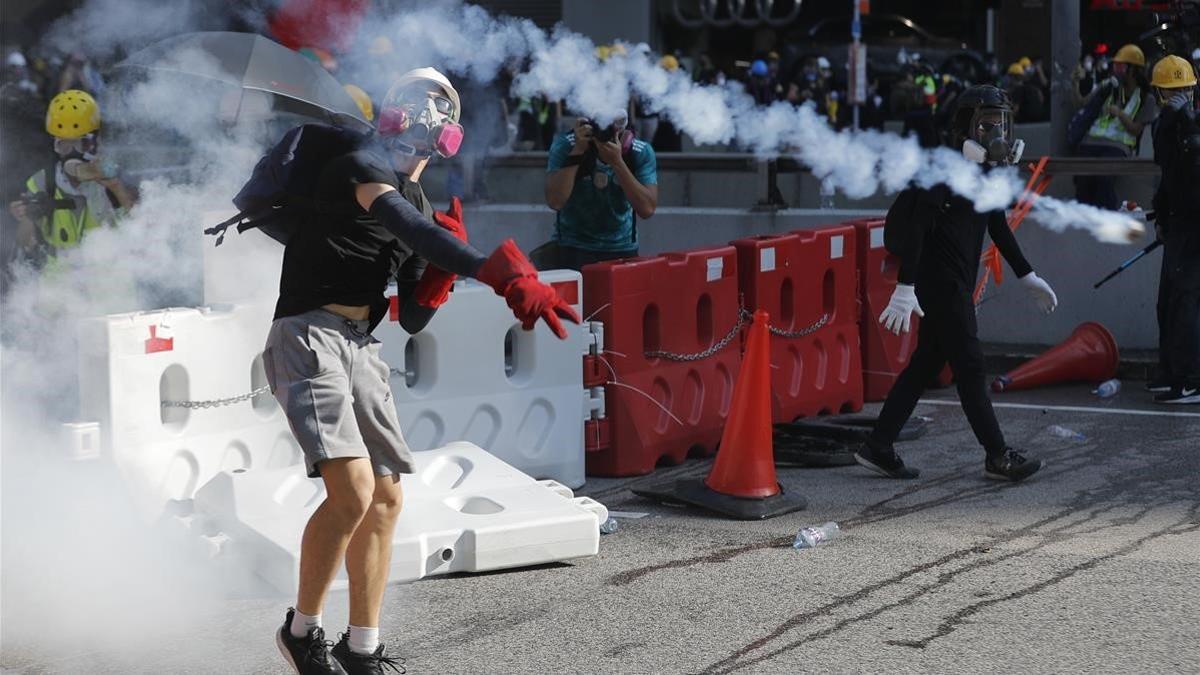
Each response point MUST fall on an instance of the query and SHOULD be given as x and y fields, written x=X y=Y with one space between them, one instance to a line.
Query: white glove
x=1042 y=294
x=898 y=315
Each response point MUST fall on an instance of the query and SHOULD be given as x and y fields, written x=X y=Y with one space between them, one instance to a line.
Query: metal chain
x=716 y=347
x=217 y=403
x=744 y=317
x=803 y=332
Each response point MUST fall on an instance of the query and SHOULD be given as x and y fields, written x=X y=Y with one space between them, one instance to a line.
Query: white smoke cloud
x=54 y=576
x=82 y=566
x=563 y=66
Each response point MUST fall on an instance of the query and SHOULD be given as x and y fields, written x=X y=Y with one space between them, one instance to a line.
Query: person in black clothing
x=324 y=367
x=937 y=273
x=1177 y=202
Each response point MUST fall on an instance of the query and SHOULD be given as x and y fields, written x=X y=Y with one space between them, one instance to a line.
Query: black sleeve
x=361 y=167
x=925 y=209
x=413 y=316
x=1004 y=240
x=424 y=237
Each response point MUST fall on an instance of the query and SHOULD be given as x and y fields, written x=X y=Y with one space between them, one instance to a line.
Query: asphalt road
x=1092 y=565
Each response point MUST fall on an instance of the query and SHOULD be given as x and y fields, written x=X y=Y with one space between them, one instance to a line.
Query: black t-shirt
x=349 y=260
x=945 y=257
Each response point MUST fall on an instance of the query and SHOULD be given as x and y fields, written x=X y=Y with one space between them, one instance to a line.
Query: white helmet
x=433 y=75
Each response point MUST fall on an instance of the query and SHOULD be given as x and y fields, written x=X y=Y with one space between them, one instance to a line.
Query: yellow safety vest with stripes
x=63 y=228
x=1109 y=127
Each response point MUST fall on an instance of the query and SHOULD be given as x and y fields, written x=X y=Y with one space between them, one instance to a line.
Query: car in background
x=892 y=39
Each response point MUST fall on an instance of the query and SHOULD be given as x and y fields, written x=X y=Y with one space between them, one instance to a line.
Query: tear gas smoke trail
x=562 y=65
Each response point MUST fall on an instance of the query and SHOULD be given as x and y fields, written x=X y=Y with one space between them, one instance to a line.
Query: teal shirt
x=599 y=218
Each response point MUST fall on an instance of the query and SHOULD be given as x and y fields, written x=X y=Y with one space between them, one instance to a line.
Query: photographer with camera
x=600 y=181
x=79 y=192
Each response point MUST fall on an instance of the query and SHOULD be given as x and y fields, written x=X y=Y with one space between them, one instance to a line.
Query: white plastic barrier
x=211 y=358
x=473 y=374
x=464 y=511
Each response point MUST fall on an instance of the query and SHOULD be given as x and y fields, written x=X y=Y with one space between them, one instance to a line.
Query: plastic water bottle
x=808 y=537
x=1108 y=389
x=827 y=193
x=1063 y=432
x=609 y=526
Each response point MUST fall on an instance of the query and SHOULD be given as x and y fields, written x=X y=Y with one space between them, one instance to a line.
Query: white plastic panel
x=465 y=510
x=131 y=363
x=473 y=374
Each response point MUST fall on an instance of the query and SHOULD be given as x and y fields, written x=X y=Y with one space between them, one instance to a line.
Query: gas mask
x=418 y=122
x=83 y=148
x=990 y=139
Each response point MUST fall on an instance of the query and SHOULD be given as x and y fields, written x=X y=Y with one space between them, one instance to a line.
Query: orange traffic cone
x=742 y=483
x=1088 y=355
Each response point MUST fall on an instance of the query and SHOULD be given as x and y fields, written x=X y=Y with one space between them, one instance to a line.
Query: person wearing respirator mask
x=1177 y=202
x=79 y=192
x=335 y=273
x=938 y=268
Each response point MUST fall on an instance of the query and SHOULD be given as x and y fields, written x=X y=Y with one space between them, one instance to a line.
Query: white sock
x=302 y=623
x=363 y=640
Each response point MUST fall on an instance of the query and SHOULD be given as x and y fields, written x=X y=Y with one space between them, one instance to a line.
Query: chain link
x=803 y=332
x=744 y=317
x=217 y=403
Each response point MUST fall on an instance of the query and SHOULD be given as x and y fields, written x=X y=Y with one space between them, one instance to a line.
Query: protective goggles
x=84 y=145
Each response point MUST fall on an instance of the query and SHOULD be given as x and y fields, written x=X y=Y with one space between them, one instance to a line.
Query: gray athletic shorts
x=326 y=373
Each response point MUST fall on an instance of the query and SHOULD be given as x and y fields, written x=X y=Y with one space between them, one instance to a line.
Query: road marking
x=1072 y=408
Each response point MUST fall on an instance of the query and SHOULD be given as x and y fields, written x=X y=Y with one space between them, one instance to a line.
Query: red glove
x=511 y=274
x=433 y=290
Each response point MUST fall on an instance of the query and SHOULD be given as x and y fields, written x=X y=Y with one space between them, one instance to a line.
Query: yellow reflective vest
x=63 y=228
x=1109 y=127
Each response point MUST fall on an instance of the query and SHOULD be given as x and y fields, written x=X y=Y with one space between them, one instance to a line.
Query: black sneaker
x=1158 y=386
x=365 y=664
x=885 y=462
x=1179 y=395
x=1010 y=465
x=308 y=655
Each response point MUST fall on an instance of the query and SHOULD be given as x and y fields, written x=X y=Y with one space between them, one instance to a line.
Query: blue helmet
x=759 y=68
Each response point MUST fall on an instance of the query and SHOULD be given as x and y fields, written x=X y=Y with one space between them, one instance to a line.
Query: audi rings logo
x=726 y=13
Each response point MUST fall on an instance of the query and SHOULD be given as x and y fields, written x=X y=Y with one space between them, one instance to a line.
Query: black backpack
x=898 y=225
x=278 y=196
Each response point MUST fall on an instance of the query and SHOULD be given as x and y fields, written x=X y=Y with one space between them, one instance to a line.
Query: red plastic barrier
x=798 y=278
x=683 y=303
x=884 y=354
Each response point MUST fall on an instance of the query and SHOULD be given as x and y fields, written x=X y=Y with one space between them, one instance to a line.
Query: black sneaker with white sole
x=365 y=664
x=309 y=655
x=1179 y=395
x=885 y=462
x=1010 y=465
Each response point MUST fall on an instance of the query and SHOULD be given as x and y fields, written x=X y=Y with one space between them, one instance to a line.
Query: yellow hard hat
x=72 y=114
x=1131 y=54
x=1016 y=69
x=1024 y=62
x=1173 y=72
x=362 y=99
x=603 y=51
x=669 y=63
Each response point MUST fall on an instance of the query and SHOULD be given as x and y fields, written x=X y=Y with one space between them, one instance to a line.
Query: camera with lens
x=38 y=205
